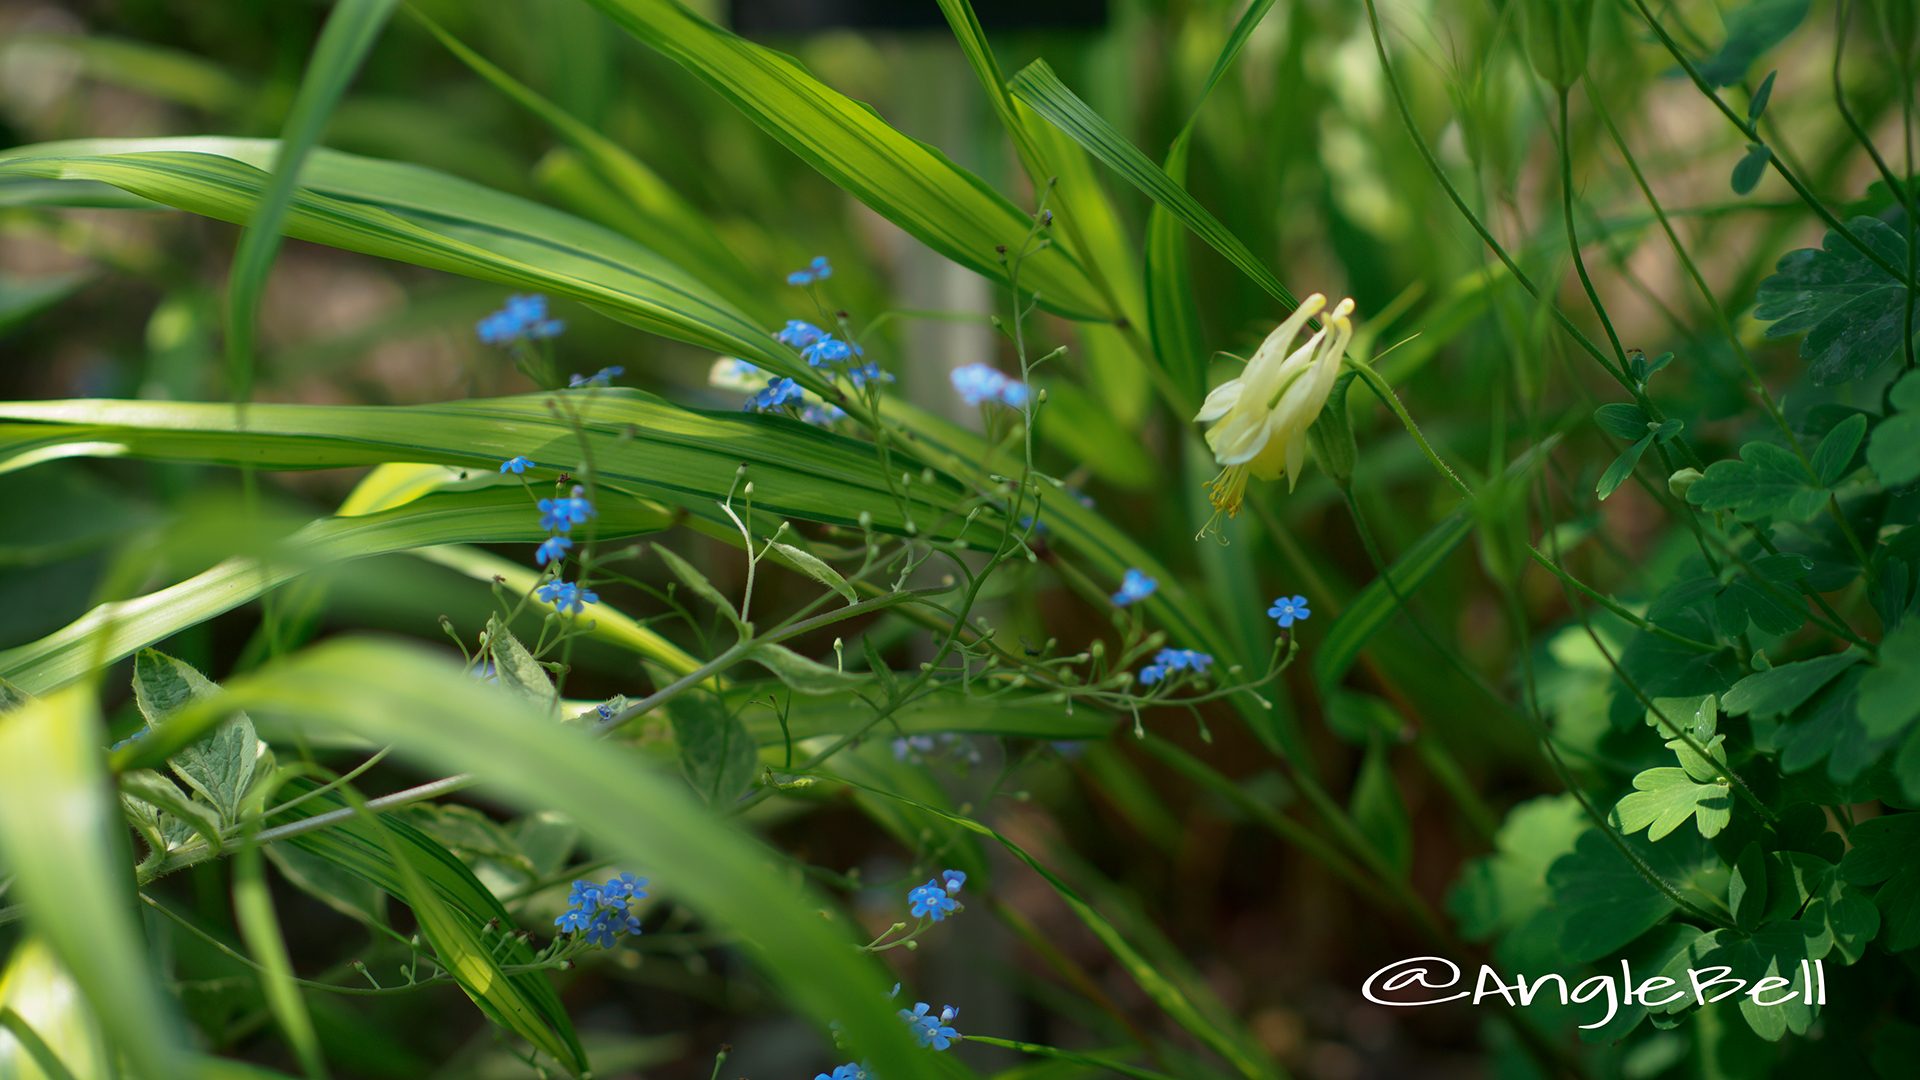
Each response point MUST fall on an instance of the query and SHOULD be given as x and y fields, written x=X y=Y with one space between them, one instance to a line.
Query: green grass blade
x=670 y=224
x=419 y=871
x=1376 y=604
x=906 y=181
x=260 y=928
x=410 y=214
x=38 y=994
x=641 y=444
x=62 y=837
x=1039 y=87
x=351 y=29
x=448 y=518
x=393 y=692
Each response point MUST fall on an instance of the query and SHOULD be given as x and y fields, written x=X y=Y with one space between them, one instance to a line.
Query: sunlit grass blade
x=62 y=838
x=672 y=226
x=906 y=181
x=40 y=1004
x=118 y=629
x=1039 y=87
x=411 y=214
x=639 y=443
x=351 y=29
x=260 y=927
x=416 y=869
x=392 y=692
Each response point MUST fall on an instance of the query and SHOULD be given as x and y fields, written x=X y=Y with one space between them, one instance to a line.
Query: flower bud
x=1556 y=37
x=1682 y=481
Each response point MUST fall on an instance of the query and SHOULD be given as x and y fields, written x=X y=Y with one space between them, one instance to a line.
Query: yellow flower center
x=1226 y=492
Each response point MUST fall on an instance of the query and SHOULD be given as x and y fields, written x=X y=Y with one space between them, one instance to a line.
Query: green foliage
x=1848 y=297
x=791 y=661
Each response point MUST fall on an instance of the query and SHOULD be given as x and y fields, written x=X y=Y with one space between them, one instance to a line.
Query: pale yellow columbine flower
x=1260 y=419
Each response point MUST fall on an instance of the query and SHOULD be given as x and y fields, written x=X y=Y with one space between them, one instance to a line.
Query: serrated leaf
x=1784 y=687
x=717 y=754
x=1767 y=481
x=1852 y=311
x=1664 y=799
x=517 y=669
x=220 y=767
x=812 y=566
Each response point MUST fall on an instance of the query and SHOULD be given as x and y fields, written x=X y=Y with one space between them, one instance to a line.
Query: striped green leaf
x=391 y=692
x=668 y=222
x=410 y=214
x=640 y=444
x=351 y=29
x=118 y=629
x=906 y=181
x=62 y=837
x=1039 y=87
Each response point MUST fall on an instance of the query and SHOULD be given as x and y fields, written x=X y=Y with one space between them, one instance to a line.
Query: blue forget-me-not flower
x=517 y=464
x=1287 y=610
x=523 y=318
x=1134 y=587
x=819 y=269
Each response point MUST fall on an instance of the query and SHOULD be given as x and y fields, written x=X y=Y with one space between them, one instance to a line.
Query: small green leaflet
x=1663 y=799
x=717 y=754
x=1890 y=693
x=516 y=668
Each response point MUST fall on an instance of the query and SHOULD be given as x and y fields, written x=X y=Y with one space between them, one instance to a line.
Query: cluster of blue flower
x=978 y=384
x=819 y=269
x=1136 y=586
x=601 y=913
x=1168 y=661
x=935 y=900
x=934 y=1030
x=558 y=516
x=820 y=349
x=603 y=377
x=524 y=318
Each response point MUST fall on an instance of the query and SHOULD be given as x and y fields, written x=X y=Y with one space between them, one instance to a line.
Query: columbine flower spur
x=1260 y=419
